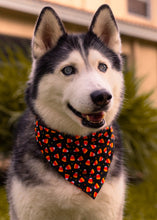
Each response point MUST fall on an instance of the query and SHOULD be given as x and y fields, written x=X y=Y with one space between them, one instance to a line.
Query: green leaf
x=14 y=68
x=138 y=121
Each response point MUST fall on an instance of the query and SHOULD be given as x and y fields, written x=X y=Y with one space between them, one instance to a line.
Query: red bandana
x=83 y=161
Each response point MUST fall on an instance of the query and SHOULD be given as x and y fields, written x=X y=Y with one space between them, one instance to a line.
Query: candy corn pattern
x=83 y=161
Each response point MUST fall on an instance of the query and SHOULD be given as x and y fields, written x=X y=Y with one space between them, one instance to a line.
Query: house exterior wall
x=145 y=56
x=15 y=23
x=119 y=8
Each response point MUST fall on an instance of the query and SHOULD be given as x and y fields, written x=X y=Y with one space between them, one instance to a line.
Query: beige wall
x=88 y=5
x=146 y=66
x=119 y=8
x=142 y=57
x=16 y=23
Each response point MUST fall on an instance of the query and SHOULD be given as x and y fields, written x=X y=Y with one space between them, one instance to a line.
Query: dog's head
x=76 y=84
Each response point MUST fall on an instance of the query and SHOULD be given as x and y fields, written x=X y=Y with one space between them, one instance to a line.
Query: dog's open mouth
x=94 y=120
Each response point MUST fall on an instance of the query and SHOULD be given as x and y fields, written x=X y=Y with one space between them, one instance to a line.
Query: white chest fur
x=57 y=199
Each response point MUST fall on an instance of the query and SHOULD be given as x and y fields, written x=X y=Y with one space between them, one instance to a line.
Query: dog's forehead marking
x=83 y=52
x=78 y=54
x=83 y=56
x=75 y=58
x=91 y=56
x=94 y=56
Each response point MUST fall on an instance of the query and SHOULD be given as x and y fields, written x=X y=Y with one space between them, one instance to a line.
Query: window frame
x=148 y=12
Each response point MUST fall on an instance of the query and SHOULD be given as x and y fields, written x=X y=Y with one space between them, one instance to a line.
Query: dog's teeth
x=94 y=118
x=87 y=117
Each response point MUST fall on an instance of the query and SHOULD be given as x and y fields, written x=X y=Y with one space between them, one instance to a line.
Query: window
x=139 y=7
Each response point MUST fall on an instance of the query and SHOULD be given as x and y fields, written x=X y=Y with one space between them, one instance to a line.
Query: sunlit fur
x=35 y=190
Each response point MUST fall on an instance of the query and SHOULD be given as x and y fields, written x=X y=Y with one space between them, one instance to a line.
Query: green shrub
x=4 y=212
x=138 y=121
x=14 y=66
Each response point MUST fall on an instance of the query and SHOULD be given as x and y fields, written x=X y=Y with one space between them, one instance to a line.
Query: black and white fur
x=67 y=99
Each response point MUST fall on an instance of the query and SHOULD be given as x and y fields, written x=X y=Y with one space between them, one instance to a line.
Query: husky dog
x=76 y=90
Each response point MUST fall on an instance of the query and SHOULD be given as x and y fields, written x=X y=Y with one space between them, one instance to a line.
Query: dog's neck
x=82 y=160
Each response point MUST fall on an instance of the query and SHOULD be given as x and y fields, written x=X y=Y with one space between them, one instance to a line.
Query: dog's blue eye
x=102 y=67
x=68 y=70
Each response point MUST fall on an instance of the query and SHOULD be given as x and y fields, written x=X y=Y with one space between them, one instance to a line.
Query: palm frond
x=138 y=121
x=14 y=67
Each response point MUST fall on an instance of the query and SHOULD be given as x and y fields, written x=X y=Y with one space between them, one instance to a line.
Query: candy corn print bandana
x=83 y=161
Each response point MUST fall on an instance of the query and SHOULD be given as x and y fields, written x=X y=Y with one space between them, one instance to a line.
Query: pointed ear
x=105 y=27
x=48 y=30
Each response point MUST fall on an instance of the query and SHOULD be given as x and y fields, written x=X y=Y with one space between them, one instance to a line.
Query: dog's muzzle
x=101 y=100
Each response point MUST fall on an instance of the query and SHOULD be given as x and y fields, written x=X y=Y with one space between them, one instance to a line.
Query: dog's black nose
x=101 y=97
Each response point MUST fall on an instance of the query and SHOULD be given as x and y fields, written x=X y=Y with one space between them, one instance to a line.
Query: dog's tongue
x=95 y=117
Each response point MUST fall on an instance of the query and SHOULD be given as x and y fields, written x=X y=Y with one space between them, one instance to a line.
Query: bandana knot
x=82 y=160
